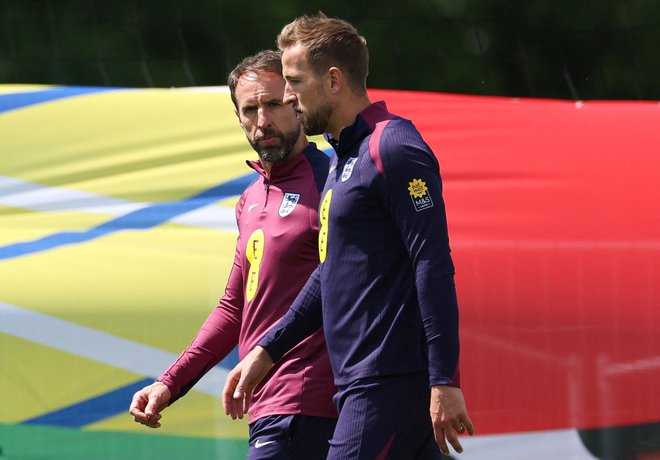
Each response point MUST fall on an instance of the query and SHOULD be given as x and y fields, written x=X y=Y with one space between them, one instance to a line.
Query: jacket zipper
x=267 y=189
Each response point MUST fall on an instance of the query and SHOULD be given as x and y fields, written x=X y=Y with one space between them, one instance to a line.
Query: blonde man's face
x=305 y=90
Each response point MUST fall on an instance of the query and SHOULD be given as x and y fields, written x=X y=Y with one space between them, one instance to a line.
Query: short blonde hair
x=330 y=42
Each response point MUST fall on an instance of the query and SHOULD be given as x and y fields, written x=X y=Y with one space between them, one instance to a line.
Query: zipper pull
x=267 y=189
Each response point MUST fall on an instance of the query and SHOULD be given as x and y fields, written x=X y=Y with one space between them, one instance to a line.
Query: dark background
x=570 y=49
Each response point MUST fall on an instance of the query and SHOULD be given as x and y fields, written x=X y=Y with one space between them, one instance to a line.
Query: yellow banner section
x=117 y=234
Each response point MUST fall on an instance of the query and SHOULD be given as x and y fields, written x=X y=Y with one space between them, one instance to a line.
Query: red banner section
x=554 y=219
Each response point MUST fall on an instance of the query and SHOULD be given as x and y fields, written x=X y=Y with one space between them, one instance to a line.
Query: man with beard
x=384 y=291
x=291 y=415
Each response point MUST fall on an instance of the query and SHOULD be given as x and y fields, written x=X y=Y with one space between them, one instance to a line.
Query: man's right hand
x=242 y=380
x=149 y=402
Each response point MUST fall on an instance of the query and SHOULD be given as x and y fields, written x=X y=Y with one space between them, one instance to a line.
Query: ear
x=335 y=79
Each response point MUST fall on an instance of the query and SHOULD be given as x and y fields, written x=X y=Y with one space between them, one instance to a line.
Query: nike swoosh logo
x=251 y=207
x=260 y=444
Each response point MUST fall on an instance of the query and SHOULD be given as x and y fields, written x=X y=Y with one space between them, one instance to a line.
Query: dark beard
x=316 y=122
x=274 y=154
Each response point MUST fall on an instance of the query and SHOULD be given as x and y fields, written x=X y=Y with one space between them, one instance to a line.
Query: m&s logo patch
x=419 y=195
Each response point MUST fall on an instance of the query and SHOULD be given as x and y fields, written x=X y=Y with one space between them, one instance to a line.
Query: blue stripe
x=230 y=361
x=14 y=101
x=140 y=219
x=107 y=405
x=91 y=410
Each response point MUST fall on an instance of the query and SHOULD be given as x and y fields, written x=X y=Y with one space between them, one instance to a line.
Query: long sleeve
x=412 y=191
x=215 y=339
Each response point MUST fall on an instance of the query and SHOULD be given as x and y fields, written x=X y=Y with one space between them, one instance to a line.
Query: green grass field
x=21 y=442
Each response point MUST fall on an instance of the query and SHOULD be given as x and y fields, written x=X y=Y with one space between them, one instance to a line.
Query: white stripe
x=98 y=346
x=28 y=195
x=544 y=445
x=18 y=193
x=203 y=89
x=210 y=216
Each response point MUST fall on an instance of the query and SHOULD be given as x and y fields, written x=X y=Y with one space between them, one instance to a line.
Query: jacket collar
x=364 y=124
x=280 y=170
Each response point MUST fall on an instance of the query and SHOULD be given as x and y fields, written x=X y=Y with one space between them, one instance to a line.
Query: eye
x=249 y=110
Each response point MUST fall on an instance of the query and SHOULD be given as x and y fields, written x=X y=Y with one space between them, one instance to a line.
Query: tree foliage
x=536 y=48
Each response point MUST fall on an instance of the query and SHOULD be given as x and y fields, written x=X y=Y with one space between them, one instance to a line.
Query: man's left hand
x=449 y=417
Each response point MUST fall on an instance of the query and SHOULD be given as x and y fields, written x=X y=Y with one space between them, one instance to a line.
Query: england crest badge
x=289 y=202
x=348 y=169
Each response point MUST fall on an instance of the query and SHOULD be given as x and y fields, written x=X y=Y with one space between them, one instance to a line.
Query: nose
x=289 y=95
x=263 y=120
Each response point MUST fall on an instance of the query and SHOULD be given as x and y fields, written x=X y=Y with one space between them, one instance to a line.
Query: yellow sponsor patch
x=419 y=195
x=254 y=251
x=324 y=212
